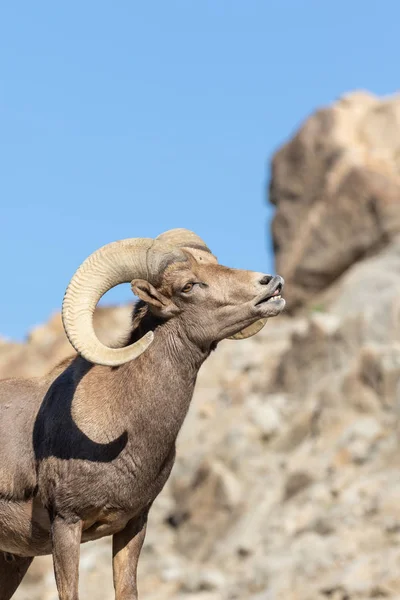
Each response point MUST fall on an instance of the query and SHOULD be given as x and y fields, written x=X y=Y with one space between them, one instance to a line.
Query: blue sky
x=125 y=119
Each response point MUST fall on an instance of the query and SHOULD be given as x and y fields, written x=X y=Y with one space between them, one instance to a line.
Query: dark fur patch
x=143 y=321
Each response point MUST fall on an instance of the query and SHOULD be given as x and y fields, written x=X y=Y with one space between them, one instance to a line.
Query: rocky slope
x=287 y=481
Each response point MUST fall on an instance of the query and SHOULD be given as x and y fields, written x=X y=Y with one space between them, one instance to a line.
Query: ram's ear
x=159 y=304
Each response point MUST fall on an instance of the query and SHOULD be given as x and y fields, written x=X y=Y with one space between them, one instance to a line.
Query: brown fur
x=86 y=450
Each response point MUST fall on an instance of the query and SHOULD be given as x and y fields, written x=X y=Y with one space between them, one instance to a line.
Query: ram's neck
x=157 y=387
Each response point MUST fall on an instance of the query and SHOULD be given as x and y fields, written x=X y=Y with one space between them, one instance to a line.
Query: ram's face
x=214 y=302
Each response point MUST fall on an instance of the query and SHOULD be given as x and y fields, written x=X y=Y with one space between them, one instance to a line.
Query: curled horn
x=188 y=241
x=115 y=263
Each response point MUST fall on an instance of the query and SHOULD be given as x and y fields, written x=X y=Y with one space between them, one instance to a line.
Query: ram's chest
x=104 y=495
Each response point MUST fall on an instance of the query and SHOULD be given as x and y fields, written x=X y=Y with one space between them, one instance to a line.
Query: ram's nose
x=275 y=281
x=265 y=279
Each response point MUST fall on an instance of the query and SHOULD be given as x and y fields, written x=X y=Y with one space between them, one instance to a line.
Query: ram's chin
x=272 y=307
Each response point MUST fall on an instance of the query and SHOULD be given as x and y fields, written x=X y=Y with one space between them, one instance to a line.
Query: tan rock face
x=336 y=188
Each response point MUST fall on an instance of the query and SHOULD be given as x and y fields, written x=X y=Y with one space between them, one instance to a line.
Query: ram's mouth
x=271 y=297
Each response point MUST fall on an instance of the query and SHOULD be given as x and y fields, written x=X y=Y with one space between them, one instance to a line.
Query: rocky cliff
x=287 y=481
x=336 y=188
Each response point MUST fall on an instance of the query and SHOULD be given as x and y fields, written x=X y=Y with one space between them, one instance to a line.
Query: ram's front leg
x=127 y=545
x=66 y=539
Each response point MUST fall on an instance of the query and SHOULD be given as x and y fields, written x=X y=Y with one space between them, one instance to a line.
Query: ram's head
x=178 y=277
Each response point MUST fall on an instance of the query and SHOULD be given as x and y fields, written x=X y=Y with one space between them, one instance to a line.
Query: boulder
x=336 y=188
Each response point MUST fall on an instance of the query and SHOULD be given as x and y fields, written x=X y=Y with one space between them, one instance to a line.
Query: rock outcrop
x=336 y=187
x=287 y=481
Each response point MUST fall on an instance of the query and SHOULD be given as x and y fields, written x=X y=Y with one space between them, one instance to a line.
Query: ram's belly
x=103 y=525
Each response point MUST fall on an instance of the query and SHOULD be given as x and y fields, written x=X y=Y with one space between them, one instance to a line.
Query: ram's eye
x=187 y=288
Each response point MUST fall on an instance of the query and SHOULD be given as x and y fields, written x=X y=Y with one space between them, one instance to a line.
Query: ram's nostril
x=266 y=279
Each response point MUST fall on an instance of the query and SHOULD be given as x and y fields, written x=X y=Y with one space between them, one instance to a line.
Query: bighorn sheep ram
x=85 y=450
